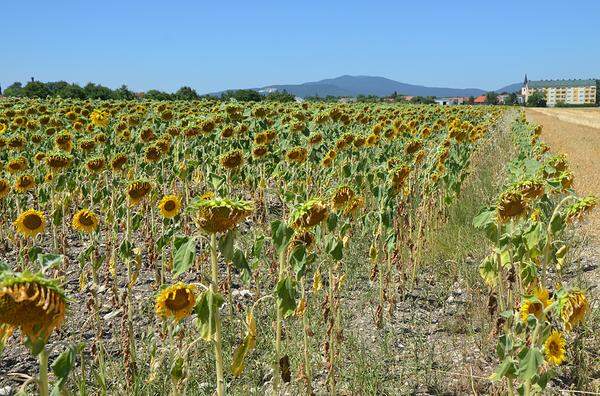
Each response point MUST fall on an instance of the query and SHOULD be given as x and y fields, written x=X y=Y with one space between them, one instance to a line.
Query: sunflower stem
x=214 y=288
x=43 y=378
x=279 y=325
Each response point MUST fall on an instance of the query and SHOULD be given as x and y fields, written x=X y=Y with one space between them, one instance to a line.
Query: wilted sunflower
x=176 y=301
x=95 y=165
x=85 y=221
x=582 y=206
x=57 y=161
x=399 y=175
x=87 y=144
x=152 y=153
x=309 y=214
x=297 y=155
x=232 y=159
x=137 y=191
x=315 y=138
x=511 y=204
x=554 y=348
x=217 y=215
x=412 y=146
x=33 y=304
x=16 y=165
x=573 y=307
x=355 y=204
x=259 y=151
x=342 y=196
x=4 y=188
x=535 y=308
x=25 y=183
x=30 y=223
x=169 y=206
x=118 y=161
x=531 y=189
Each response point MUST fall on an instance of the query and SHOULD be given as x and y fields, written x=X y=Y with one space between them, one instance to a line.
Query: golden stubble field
x=576 y=133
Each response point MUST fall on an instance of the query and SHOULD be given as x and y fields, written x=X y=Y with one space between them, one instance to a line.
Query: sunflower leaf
x=207 y=312
x=286 y=294
x=240 y=262
x=185 y=253
x=529 y=364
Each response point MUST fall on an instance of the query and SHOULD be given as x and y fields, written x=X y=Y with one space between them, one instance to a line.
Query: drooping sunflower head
x=218 y=215
x=297 y=155
x=309 y=214
x=259 y=151
x=95 y=165
x=354 y=206
x=25 y=183
x=577 y=210
x=30 y=223
x=152 y=153
x=16 y=165
x=118 y=162
x=137 y=191
x=554 y=348
x=58 y=160
x=232 y=160
x=412 y=146
x=4 y=188
x=176 y=301
x=85 y=221
x=33 y=304
x=573 y=307
x=87 y=144
x=531 y=189
x=315 y=138
x=398 y=178
x=511 y=204
x=169 y=206
x=341 y=197
x=302 y=238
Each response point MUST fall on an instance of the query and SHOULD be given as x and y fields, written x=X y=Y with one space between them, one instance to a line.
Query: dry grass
x=571 y=131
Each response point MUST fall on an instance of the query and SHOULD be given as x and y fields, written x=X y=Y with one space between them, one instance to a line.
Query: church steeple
x=525 y=82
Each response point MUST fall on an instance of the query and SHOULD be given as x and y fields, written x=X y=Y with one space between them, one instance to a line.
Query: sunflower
x=57 y=161
x=511 y=204
x=342 y=196
x=152 y=153
x=85 y=221
x=398 y=177
x=4 y=188
x=87 y=144
x=30 y=223
x=297 y=155
x=25 y=183
x=217 y=215
x=535 y=306
x=33 y=304
x=16 y=165
x=309 y=214
x=531 y=189
x=232 y=159
x=259 y=151
x=100 y=118
x=170 y=206
x=176 y=301
x=315 y=138
x=95 y=165
x=118 y=162
x=578 y=209
x=137 y=191
x=554 y=348
x=573 y=305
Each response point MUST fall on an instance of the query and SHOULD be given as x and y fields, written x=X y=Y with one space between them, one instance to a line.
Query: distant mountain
x=516 y=87
x=368 y=85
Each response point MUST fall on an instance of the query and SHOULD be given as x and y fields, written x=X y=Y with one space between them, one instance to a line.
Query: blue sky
x=215 y=45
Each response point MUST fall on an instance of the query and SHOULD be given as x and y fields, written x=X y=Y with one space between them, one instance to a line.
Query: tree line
x=65 y=90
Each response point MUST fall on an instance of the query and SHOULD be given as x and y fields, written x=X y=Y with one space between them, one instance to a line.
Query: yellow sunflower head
x=118 y=162
x=100 y=118
x=152 y=153
x=218 y=215
x=33 y=304
x=85 y=221
x=573 y=307
x=95 y=165
x=137 y=191
x=30 y=223
x=169 y=206
x=58 y=160
x=554 y=348
x=536 y=304
x=232 y=159
x=342 y=196
x=176 y=301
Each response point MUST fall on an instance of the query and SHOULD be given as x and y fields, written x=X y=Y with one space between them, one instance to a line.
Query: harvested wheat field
x=575 y=133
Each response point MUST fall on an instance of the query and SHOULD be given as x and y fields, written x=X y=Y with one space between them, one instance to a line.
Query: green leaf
x=226 y=245
x=185 y=252
x=239 y=261
x=557 y=224
x=286 y=294
x=126 y=249
x=63 y=365
x=257 y=248
x=505 y=369
x=530 y=363
x=207 y=311
x=504 y=346
x=281 y=235
x=486 y=221
x=49 y=260
x=33 y=253
x=4 y=266
x=332 y=221
x=335 y=249
x=488 y=269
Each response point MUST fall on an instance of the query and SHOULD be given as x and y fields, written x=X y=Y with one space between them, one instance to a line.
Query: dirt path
x=581 y=144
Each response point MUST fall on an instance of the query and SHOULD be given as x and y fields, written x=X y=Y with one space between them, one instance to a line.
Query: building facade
x=568 y=92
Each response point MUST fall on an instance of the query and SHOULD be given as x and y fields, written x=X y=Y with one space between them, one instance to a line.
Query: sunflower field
x=214 y=247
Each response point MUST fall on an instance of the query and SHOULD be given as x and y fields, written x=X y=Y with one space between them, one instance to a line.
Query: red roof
x=479 y=99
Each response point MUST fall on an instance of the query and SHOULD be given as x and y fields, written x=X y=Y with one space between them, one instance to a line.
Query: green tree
x=123 y=93
x=242 y=95
x=536 y=99
x=15 y=89
x=71 y=91
x=491 y=98
x=186 y=93
x=97 y=91
x=280 y=96
x=154 y=94
x=423 y=99
x=36 y=89
x=512 y=99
